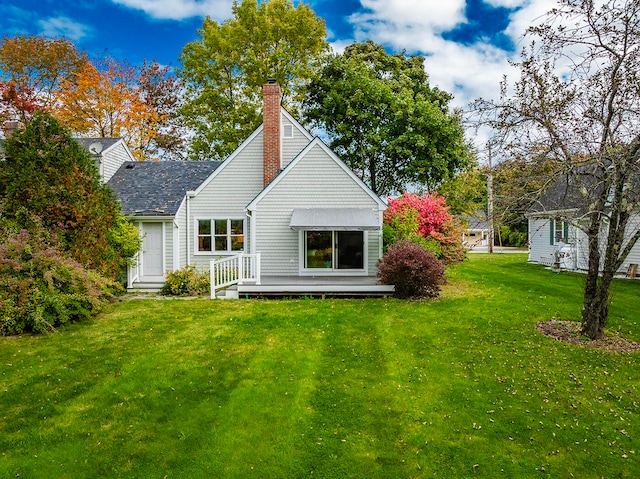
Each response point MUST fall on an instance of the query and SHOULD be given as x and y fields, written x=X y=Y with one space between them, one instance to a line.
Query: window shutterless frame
x=219 y=235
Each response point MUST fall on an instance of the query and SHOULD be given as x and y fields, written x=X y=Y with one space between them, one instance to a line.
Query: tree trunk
x=595 y=311
x=595 y=305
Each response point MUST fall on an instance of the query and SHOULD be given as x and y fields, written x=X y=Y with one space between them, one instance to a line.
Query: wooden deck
x=311 y=286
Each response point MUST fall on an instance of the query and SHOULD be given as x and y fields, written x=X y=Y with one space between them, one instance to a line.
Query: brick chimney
x=271 y=98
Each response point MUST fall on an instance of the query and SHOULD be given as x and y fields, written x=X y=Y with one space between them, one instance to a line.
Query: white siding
x=290 y=147
x=181 y=221
x=634 y=256
x=541 y=249
x=225 y=196
x=316 y=181
x=168 y=247
x=113 y=158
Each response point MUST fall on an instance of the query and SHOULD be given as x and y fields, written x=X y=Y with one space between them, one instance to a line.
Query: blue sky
x=466 y=43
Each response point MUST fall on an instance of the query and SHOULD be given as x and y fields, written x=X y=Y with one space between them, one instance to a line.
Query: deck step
x=324 y=290
x=229 y=293
x=145 y=288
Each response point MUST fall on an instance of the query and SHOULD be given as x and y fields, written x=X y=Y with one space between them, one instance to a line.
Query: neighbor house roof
x=477 y=221
x=84 y=142
x=564 y=194
x=106 y=142
x=157 y=188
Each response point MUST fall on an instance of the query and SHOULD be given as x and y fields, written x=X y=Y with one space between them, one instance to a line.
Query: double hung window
x=559 y=230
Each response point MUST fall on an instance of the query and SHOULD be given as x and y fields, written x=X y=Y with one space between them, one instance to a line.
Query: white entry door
x=152 y=249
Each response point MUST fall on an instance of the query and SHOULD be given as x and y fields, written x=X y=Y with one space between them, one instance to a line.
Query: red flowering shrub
x=425 y=220
x=415 y=271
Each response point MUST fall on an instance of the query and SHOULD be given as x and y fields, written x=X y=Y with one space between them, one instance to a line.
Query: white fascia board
x=551 y=213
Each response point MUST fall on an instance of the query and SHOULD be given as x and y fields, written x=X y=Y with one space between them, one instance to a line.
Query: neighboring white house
x=476 y=234
x=552 y=226
x=108 y=153
x=282 y=193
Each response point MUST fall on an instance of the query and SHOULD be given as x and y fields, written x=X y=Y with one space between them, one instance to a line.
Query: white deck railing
x=236 y=269
x=133 y=271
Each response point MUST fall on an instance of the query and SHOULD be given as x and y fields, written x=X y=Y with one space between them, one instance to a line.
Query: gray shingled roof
x=478 y=221
x=157 y=188
x=106 y=142
x=564 y=193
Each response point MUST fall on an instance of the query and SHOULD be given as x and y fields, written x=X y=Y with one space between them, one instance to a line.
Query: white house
x=476 y=234
x=282 y=193
x=108 y=153
x=551 y=223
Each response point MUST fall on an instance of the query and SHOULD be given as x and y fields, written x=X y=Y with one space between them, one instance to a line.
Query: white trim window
x=558 y=230
x=216 y=235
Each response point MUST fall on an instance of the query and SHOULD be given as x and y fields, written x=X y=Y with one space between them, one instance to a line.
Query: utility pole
x=490 y=200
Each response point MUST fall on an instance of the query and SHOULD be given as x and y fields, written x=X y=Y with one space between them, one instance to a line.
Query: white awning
x=336 y=219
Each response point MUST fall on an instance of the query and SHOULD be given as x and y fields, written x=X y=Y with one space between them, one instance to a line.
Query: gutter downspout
x=381 y=234
x=190 y=194
x=252 y=231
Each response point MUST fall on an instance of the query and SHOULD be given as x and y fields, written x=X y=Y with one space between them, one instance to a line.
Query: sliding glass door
x=334 y=250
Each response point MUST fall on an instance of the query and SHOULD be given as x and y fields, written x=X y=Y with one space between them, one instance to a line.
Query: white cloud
x=530 y=13
x=467 y=72
x=180 y=9
x=438 y=15
x=506 y=3
x=64 y=27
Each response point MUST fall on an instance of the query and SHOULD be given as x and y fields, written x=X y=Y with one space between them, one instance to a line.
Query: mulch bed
x=569 y=332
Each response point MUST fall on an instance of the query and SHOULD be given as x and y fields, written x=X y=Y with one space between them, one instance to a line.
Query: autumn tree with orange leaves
x=32 y=69
x=105 y=98
x=107 y=103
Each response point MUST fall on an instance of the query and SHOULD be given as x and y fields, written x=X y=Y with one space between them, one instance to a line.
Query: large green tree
x=48 y=176
x=578 y=102
x=385 y=120
x=466 y=192
x=224 y=69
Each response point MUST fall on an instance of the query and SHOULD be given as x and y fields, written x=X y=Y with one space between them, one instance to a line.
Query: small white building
x=476 y=235
x=554 y=238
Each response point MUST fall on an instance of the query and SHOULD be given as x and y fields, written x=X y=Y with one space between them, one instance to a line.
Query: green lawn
x=378 y=388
